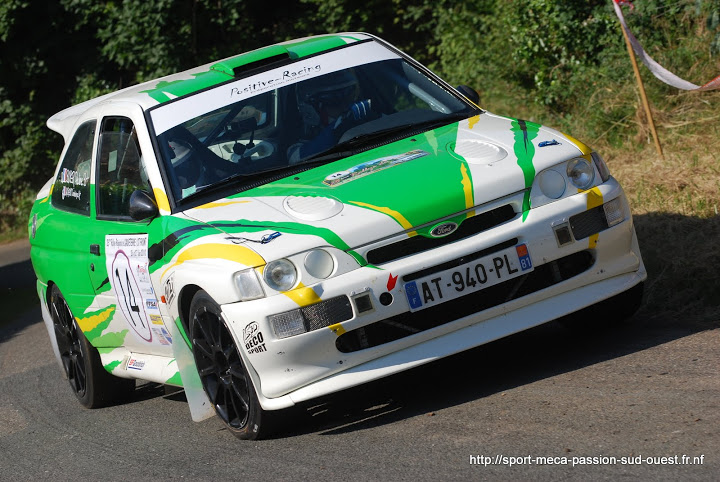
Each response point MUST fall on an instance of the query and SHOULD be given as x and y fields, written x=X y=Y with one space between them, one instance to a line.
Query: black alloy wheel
x=93 y=386
x=221 y=369
x=68 y=342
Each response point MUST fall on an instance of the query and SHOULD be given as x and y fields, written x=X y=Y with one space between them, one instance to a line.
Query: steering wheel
x=187 y=168
x=194 y=163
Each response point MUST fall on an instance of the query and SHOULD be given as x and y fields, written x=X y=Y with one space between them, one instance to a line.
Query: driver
x=329 y=106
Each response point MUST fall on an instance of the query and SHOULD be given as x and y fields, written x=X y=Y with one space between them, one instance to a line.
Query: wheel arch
x=48 y=289
x=184 y=300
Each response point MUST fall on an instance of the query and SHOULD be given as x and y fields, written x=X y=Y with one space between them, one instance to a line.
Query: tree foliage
x=548 y=53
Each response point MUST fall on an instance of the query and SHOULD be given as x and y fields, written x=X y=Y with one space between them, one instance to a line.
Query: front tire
x=222 y=371
x=93 y=386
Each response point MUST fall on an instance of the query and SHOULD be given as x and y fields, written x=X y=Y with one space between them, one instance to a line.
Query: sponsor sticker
x=157 y=320
x=254 y=340
x=135 y=364
x=167 y=116
x=160 y=336
x=371 y=167
x=170 y=289
x=127 y=266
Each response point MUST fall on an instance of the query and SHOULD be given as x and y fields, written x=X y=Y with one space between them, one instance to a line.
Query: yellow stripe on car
x=467 y=188
x=594 y=199
x=583 y=148
x=161 y=200
x=303 y=295
x=472 y=121
x=91 y=322
x=220 y=204
x=390 y=212
x=230 y=252
x=337 y=328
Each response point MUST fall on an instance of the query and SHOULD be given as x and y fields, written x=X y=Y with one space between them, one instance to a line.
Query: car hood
x=391 y=189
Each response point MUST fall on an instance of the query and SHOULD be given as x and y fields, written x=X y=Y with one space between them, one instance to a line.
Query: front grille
x=418 y=244
x=326 y=313
x=588 y=223
x=406 y=324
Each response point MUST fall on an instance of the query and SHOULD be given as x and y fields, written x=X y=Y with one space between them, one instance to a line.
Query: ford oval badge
x=442 y=230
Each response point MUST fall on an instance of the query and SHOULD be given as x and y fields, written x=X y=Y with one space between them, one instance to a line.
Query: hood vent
x=479 y=152
x=312 y=208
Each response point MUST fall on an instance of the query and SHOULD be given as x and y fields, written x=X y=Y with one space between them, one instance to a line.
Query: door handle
x=95 y=249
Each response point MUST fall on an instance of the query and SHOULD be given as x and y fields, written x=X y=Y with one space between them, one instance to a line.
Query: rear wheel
x=222 y=372
x=92 y=384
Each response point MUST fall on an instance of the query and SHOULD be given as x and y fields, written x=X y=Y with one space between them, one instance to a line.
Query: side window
x=71 y=191
x=120 y=167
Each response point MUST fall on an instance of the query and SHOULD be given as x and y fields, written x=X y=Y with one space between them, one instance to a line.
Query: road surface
x=550 y=403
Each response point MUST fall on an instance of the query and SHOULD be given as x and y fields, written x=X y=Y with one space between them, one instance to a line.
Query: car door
x=120 y=244
x=59 y=253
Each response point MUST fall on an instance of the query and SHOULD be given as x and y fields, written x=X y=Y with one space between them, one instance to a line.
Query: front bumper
x=288 y=370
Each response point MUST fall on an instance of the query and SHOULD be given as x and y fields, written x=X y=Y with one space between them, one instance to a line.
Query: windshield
x=256 y=128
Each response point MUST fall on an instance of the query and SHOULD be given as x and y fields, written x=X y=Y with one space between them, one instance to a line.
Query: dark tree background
x=521 y=55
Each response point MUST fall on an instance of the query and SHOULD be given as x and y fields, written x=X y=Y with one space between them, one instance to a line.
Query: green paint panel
x=175 y=380
x=181 y=329
x=316 y=45
x=524 y=133
x=227 y=66
x=112 y=366
x=395 y=188
x=111 y=340
x=93 y=334
x=178 y=88
x=223 y=71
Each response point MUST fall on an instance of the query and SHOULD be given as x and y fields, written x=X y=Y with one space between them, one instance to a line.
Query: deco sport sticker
x=127 y=267
x=254 y=340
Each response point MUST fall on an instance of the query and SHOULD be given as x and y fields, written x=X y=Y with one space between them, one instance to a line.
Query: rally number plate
x=468 y=278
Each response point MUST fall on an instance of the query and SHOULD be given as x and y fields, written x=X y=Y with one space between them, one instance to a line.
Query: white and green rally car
x=308 y=217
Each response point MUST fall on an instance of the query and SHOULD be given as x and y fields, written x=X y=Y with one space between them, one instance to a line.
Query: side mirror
x=469 y=93
x=142 y=206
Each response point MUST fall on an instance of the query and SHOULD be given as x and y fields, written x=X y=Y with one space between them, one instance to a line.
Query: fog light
x=613 y=212
x=363 y=303
x=319 y=263
x=562 y=234
x=288 y=324
x=552 y=184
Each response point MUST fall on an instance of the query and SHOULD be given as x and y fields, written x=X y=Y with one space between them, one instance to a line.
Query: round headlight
x=280 y=275
x=552 y=183
x=581 y=173
x=319 y=263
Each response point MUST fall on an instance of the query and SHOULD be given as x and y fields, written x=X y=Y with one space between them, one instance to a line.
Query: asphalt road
x=643 y=391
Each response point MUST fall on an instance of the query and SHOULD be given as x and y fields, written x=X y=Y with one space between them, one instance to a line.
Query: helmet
x=321 y=99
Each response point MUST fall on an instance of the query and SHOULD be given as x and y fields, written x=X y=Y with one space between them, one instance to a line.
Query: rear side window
x=120 y=168
x=71 y=191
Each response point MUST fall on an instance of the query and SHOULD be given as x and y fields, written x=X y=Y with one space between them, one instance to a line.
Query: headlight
x=581 y=173
x=319 y=263
x=601 y=166
x=280 y=275
x=248 y=285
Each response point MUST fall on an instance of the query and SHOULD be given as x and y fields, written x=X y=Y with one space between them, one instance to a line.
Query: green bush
x=563 y=63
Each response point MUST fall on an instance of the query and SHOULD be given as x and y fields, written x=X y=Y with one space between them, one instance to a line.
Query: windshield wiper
x=251 y=180
x=354 y=145
x=404 y=129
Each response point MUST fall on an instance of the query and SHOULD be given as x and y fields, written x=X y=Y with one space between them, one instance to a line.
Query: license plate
x=468 y=278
